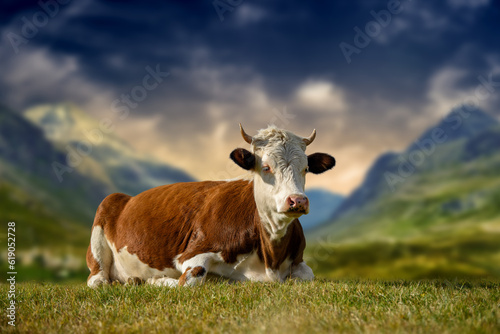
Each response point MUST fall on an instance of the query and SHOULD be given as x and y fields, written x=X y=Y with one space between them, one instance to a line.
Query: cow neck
x=273 y=246
x=274 y=227
x=275 y=224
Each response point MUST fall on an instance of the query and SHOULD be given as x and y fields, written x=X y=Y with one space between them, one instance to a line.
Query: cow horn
x=247 y=138
x=310 y=139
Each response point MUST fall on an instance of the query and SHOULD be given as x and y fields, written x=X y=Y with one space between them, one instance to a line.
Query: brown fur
x=190 y=219
x=198 y=271
x=183 y=278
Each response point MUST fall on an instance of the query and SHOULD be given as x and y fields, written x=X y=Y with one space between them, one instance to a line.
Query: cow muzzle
x=297 y=204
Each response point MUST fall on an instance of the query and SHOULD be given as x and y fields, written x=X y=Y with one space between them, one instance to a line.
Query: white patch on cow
x=302 y=271
x=246 y=267
x=103 y=256
x=250 y=267
x=100 y=249
x=126 y=265
x=202 y=260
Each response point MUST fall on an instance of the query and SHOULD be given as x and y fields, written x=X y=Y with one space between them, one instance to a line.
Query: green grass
x=38 y=226
x=468 y=256
x=293 y=307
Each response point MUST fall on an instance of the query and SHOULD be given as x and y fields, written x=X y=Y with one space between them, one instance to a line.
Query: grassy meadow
x=471 y=256
x=344 y=306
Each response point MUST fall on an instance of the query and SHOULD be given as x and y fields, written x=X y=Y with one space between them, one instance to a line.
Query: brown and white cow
x=242 y=229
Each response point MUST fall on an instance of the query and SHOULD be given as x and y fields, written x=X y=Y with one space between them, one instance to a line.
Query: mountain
x=458 y=124
x=26 y=160
x=96 y=152
x=446 y=181
x=385 y=173
x=323 y=204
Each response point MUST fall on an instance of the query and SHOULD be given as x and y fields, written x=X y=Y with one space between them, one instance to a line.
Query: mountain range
x=445 y=182
x=98 y=153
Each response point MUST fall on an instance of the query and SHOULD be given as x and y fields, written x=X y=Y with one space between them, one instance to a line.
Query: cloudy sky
x=369 y=75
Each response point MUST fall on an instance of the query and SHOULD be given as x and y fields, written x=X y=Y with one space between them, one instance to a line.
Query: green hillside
x=443 y=220
x=37 y=226
x=48 y=246
x=441 y=203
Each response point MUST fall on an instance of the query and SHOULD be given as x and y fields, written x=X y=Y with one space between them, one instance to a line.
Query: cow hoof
x=163 y=281
x=97 y=281
x=134 y=281
x=303 y=272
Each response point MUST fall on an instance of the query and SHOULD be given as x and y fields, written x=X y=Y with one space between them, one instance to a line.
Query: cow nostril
x=297 y=202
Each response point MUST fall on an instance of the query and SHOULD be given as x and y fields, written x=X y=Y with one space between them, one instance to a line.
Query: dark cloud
x=258 y=58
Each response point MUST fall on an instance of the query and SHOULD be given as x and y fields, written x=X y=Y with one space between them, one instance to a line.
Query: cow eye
x=306 y=170
x=266 y=168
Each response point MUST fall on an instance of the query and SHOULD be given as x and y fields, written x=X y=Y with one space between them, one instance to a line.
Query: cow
x=241 y=229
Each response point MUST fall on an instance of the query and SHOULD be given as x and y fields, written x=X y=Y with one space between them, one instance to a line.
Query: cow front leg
x=302 y=271
x=193 y=276
x=195 y=270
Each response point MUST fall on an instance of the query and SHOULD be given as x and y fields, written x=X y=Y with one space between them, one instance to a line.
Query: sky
x=176 y=77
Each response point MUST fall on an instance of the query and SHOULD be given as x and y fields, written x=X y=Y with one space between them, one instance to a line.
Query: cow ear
x=243 y=158
x=320 y=162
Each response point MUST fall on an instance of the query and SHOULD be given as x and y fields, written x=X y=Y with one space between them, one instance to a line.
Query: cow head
x=280 y=164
